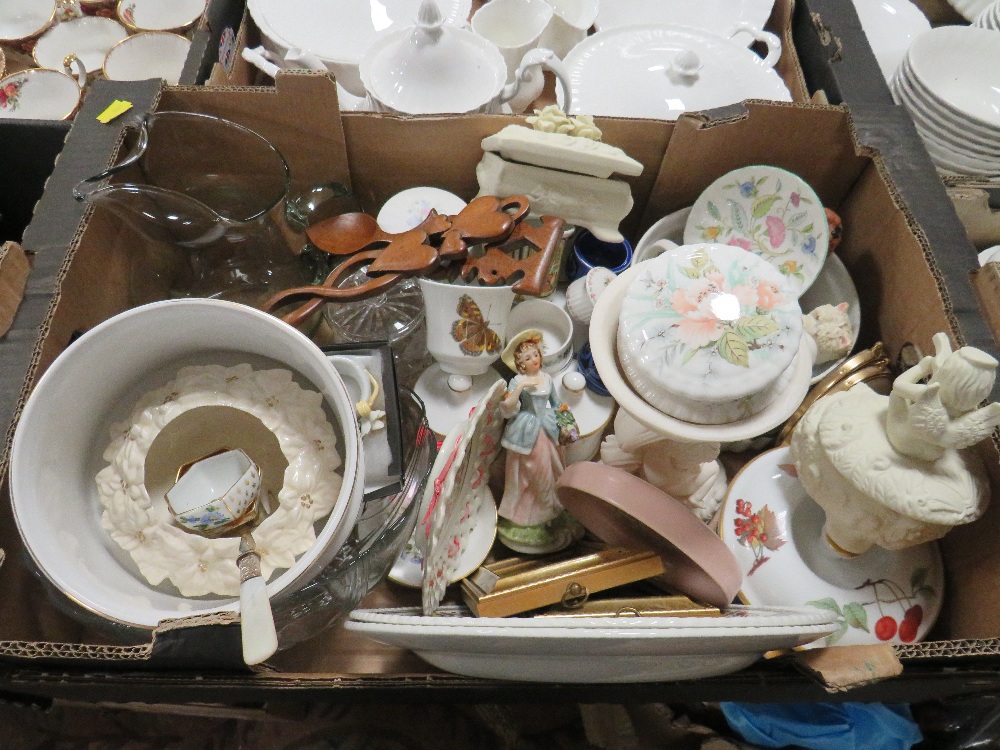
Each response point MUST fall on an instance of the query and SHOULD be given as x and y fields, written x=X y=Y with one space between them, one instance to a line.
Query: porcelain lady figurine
x=532 y=520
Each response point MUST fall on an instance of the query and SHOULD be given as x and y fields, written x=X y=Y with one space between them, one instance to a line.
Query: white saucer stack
x=989 y=18
x=947 y=82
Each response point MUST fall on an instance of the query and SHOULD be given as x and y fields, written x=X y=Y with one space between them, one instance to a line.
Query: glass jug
x=204 y=191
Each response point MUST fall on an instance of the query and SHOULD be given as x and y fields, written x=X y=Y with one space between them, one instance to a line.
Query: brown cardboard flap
x=986 y=281
x=840 y=668
x=981 y=222
x=316 y=123
x=14 y=269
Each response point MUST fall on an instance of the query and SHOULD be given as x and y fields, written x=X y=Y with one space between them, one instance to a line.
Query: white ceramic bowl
x=58 y=445
x=932 y=104
x=890 y=26
x=156 y=15
x=959 y=64
x=89 y=38
x=556 y=327
x=150 y=54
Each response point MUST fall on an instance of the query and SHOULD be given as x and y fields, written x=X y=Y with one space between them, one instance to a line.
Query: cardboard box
x=836 y=57
x=779 y=23
x=910 y=266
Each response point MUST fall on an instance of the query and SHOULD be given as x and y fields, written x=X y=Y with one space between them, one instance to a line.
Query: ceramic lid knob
x=686 y=64
x=429 y=22
x=574 y=382
x=459 y=383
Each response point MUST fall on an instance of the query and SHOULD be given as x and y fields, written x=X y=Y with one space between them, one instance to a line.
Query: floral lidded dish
x=708 y=333
x=770 y=212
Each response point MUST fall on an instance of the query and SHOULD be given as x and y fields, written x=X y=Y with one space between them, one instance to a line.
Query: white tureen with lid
x=660 y=71
x=432 y=68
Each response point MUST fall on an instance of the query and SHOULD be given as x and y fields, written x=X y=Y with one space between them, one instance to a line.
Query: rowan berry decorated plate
x=769 y=212
x=775 y=530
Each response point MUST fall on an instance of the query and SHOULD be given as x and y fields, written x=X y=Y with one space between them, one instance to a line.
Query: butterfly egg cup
x=466 y=328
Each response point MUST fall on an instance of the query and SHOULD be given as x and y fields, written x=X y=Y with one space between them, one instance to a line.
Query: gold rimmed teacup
x=24 y=20
x=155 y=15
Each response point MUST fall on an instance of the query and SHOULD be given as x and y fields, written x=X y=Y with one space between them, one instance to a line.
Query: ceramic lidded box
x=708 y=333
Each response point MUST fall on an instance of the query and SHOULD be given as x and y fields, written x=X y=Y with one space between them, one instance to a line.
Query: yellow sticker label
x=116 y=108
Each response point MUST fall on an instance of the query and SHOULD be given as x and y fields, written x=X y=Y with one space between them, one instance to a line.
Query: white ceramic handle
x=540 y=57
x=772 y=41
x=298 y=58
x=260 y=640
x=257 y=56
x=81 y=71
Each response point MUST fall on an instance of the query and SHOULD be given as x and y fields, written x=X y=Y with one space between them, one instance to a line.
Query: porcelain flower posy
x=142 y=525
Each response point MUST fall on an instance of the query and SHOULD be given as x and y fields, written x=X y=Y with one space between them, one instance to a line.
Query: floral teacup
x=215 y=493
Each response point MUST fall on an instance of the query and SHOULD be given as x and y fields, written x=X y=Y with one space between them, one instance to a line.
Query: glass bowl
x=365 y=559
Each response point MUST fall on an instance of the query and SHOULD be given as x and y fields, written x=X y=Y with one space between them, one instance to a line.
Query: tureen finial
x=685 y=64
x=429 y=19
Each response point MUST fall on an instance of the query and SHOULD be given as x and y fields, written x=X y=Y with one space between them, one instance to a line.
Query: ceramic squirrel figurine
x=830 y=328
x=925 y=420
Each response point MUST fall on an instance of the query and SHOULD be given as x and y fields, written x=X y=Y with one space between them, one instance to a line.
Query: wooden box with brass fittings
x=518 y=584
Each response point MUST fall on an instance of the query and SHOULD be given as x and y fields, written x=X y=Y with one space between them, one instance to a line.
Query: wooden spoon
x=351 y=233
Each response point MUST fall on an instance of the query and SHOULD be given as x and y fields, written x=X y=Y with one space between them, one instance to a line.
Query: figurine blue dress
x=531 y=517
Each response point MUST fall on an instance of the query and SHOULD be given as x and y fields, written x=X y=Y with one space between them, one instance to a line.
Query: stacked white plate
x=989 y=18
x=949 y=83
x=593 y=649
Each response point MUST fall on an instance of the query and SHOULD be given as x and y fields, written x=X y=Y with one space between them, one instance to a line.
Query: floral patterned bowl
x=770 y=212
x=708 y=333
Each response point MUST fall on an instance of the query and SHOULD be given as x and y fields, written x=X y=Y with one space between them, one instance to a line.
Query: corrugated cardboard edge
x=14 y=270
x=928 y=650
x=986 y=281
x=981 y=222
x=175 y=643
x=841 y=668
x=53 y=254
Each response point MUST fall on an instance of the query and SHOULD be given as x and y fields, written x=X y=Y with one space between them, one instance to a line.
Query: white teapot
x=432 y=68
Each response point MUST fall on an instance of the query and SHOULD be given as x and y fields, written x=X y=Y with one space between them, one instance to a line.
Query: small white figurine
x=830 y=328
x=892 y=470
x=926 y=420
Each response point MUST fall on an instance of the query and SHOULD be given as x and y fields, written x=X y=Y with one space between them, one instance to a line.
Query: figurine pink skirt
x=529 y=493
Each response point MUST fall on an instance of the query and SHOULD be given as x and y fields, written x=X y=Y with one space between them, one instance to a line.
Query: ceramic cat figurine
x=830 y=328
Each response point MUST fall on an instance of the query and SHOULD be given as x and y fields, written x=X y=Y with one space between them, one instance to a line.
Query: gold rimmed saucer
x=868 y=366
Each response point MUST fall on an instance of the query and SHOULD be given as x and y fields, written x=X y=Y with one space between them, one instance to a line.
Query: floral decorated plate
x=776 y=532
x=707 y=333
x=592 y=649
x=770 y=212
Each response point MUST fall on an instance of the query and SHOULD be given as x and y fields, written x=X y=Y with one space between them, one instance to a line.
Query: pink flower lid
x=708 y=323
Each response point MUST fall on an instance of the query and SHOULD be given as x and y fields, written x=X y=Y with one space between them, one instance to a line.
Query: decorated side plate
x=592 y=649
x=769 y=212
x=776 y=532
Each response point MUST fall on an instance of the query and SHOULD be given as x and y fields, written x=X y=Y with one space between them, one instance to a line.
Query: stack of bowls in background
x=989 y=18
x=948 y=83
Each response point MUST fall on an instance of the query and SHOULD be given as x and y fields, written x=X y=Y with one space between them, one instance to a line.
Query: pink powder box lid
x=623 y=510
